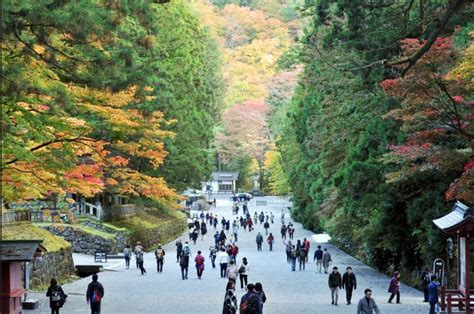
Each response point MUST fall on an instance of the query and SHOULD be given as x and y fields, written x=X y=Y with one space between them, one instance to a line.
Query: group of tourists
x=224 y=255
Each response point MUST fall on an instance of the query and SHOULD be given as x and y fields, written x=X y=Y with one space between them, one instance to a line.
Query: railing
x=15 y=216
x=452 y=299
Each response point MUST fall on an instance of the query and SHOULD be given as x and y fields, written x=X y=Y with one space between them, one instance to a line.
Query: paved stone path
x=126 y=291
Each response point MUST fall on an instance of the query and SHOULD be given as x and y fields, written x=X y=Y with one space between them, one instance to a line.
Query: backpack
x=159 y=253
x=303 y=253
x=95 y=296
x=294 y=253
x=229 y=305
x=242 y=269
x=252 y=306
x=186 y=251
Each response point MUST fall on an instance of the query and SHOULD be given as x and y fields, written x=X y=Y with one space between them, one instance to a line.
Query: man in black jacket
x=94 y=294
x=349 y=283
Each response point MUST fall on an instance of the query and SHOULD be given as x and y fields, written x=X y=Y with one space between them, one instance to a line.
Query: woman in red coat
x=199 y=259
x=394 y=287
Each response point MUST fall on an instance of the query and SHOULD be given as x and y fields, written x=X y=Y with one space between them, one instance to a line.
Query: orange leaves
x=85 y=179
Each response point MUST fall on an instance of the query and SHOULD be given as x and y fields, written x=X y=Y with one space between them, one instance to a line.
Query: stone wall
x=83 y=242
x=120 y=239
x=117 y=212
x=151 y=237
x=52 y=265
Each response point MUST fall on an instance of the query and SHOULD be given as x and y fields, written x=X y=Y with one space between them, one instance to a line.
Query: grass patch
x=85 y=229
x=27 y=231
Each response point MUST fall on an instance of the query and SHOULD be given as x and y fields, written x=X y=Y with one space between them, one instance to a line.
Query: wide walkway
x=126 y=291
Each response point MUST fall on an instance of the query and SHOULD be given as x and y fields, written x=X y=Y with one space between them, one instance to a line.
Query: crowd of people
x=224 y=254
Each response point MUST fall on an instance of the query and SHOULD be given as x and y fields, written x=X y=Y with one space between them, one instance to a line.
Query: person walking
x=234 y=251
x=394 y=287
x=283 y=231
x=127 y=253
x=232 y=271
x=95 y=294
x=184 y=264
x=230 y=300
x=259 y=240
x=367 y=304
x=294 y=255
x=326 y=260
x=272 y=217
x=212 y=255
x=244 y=272
x=334 y=282
x=433 y=294
x=270 y=241
x=215 y=222
x=199 y=260
x=235 y=231
x=250 y=302
x=140 y=262
x=223 y=259
x=288 y=247
x=222 y=238
x=425 y=280
x=307 y=246
x=282 y=216
x=266 y=225
x=179 y=249
x=160 y=258
x=291 y=231
x=318 y=257
x=56 y=295
x=261 y=294
x=203 y=230
x=217 y=239
x=138 y=249
x=302 y=257
x=349 y=283
x=227 y=226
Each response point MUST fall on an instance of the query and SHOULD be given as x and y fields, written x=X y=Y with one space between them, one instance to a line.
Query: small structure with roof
x=459 y=223
x=222 y=182
x=14 y=254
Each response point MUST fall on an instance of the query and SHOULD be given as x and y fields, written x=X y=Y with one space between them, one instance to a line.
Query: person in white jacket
x=223 y=259
x=232 y=272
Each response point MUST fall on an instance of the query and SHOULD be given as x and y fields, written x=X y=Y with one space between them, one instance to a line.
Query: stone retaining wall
x=151 y=237
x=83 y=242
x=52 y=265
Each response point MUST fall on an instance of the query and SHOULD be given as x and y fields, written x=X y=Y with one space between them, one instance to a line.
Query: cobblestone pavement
x=126 y=291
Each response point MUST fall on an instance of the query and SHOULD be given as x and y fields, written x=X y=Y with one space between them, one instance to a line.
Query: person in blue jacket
x=433 y=294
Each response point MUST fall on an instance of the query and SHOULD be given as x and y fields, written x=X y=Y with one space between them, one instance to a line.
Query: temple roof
x=20 y=250
x=459 y=216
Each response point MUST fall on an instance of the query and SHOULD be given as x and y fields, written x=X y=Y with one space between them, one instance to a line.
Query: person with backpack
x=223 y=223
x=283 y=231
x=302 y=257
x=318 y=257
x=243 y=272
x=95 y=294
x=349 y=283
x=230 y=300
x=272 y=217
x=367 y=304
x=195 y=235
x=266 y=225
x=127 y=254
x=250 y=302
x=334 y=282
x=160 y=258
x=259 y=240
x=261 y=217
x=255 y=218
x=232 y=272
x=184 y=264
x=223 y=259
x=291 y=231
x=215 y=222
x=56 y=295
x=326 y=260
x=217 y=239
x=261 y=293
x=140 y=261
x=250 y=223
x=270 y=241
x=199 y=260
x=425 y=280
x=222 y=238
x=138 y=249
x=294 y=255
x=227 y=226
x=179 y=249
x=212 y=255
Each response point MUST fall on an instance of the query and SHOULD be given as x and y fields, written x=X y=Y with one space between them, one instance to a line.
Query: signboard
x=100 y=257
x=438 y=270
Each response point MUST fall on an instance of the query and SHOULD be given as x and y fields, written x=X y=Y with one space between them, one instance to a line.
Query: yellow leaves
x=75 y=122
x=465 y=69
